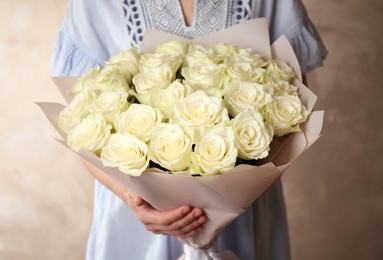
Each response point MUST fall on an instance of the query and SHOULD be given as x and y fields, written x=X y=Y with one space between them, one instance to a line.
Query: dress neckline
x=183 y=16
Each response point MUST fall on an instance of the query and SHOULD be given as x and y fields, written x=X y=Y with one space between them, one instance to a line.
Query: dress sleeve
x=290 y=18
x=308 y=46
x=69 y=59
x=91 y=33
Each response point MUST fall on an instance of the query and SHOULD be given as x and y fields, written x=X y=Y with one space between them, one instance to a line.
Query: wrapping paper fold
x=223 y=197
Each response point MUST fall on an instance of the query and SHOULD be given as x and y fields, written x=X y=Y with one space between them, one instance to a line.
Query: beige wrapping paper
x=223 y=197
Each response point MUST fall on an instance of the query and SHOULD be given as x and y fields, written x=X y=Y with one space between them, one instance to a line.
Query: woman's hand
x=180 y=222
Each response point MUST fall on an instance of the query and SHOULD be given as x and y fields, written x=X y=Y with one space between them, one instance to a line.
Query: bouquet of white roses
x=209 y=107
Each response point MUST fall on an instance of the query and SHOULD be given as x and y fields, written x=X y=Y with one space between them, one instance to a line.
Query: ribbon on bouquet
x=209 y=252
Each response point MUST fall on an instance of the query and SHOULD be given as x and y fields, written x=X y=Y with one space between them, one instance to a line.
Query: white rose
x=277 y=70
x=68 y=120
x=86 y=83
x=246 y=55
x=207 y=77
x=164 y=99
x=198 y=110
x=77 y=109
x=252 y=135
x=110 y=104
x=91 y=133
x=158 y=60
x=174 y=47
x=126 y=152
x=285 y=114
x=111 y=79
x=244 y=71
x=215 y=152
x=223 y=50
x=145 y=83
x=170 y=147
x=126 y=61
x=139 y=120
x=282 y=88
x=242 y=95
x=200 y=54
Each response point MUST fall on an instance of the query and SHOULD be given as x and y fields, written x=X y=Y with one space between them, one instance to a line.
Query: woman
x=125 y=226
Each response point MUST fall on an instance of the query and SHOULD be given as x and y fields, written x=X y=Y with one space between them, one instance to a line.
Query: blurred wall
x=333 y=192
x=45 y=193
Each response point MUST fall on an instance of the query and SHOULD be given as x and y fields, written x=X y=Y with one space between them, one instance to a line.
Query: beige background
x=333 y=193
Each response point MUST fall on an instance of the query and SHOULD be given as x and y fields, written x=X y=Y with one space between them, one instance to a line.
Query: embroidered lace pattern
x=166 y=15
x=243 y=10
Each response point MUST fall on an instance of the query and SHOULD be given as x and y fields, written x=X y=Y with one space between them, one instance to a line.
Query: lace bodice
x=166 y=15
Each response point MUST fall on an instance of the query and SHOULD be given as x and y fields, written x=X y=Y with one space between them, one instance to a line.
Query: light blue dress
x=94 y=30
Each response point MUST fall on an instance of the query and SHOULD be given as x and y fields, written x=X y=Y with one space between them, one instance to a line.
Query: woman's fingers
x=191 y=221
x=188 y=226
x=180 y=222
x=171 y=220
x=139 y=201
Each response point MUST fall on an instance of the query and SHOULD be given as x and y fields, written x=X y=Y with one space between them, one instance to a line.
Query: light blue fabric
x=93 y=31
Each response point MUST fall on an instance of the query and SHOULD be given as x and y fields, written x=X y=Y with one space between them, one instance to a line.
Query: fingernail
x=186 y=210
x=197 y=214
x=201 y=220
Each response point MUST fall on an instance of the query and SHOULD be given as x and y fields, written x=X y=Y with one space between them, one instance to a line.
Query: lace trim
x=133 y=19
x=243 y=10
